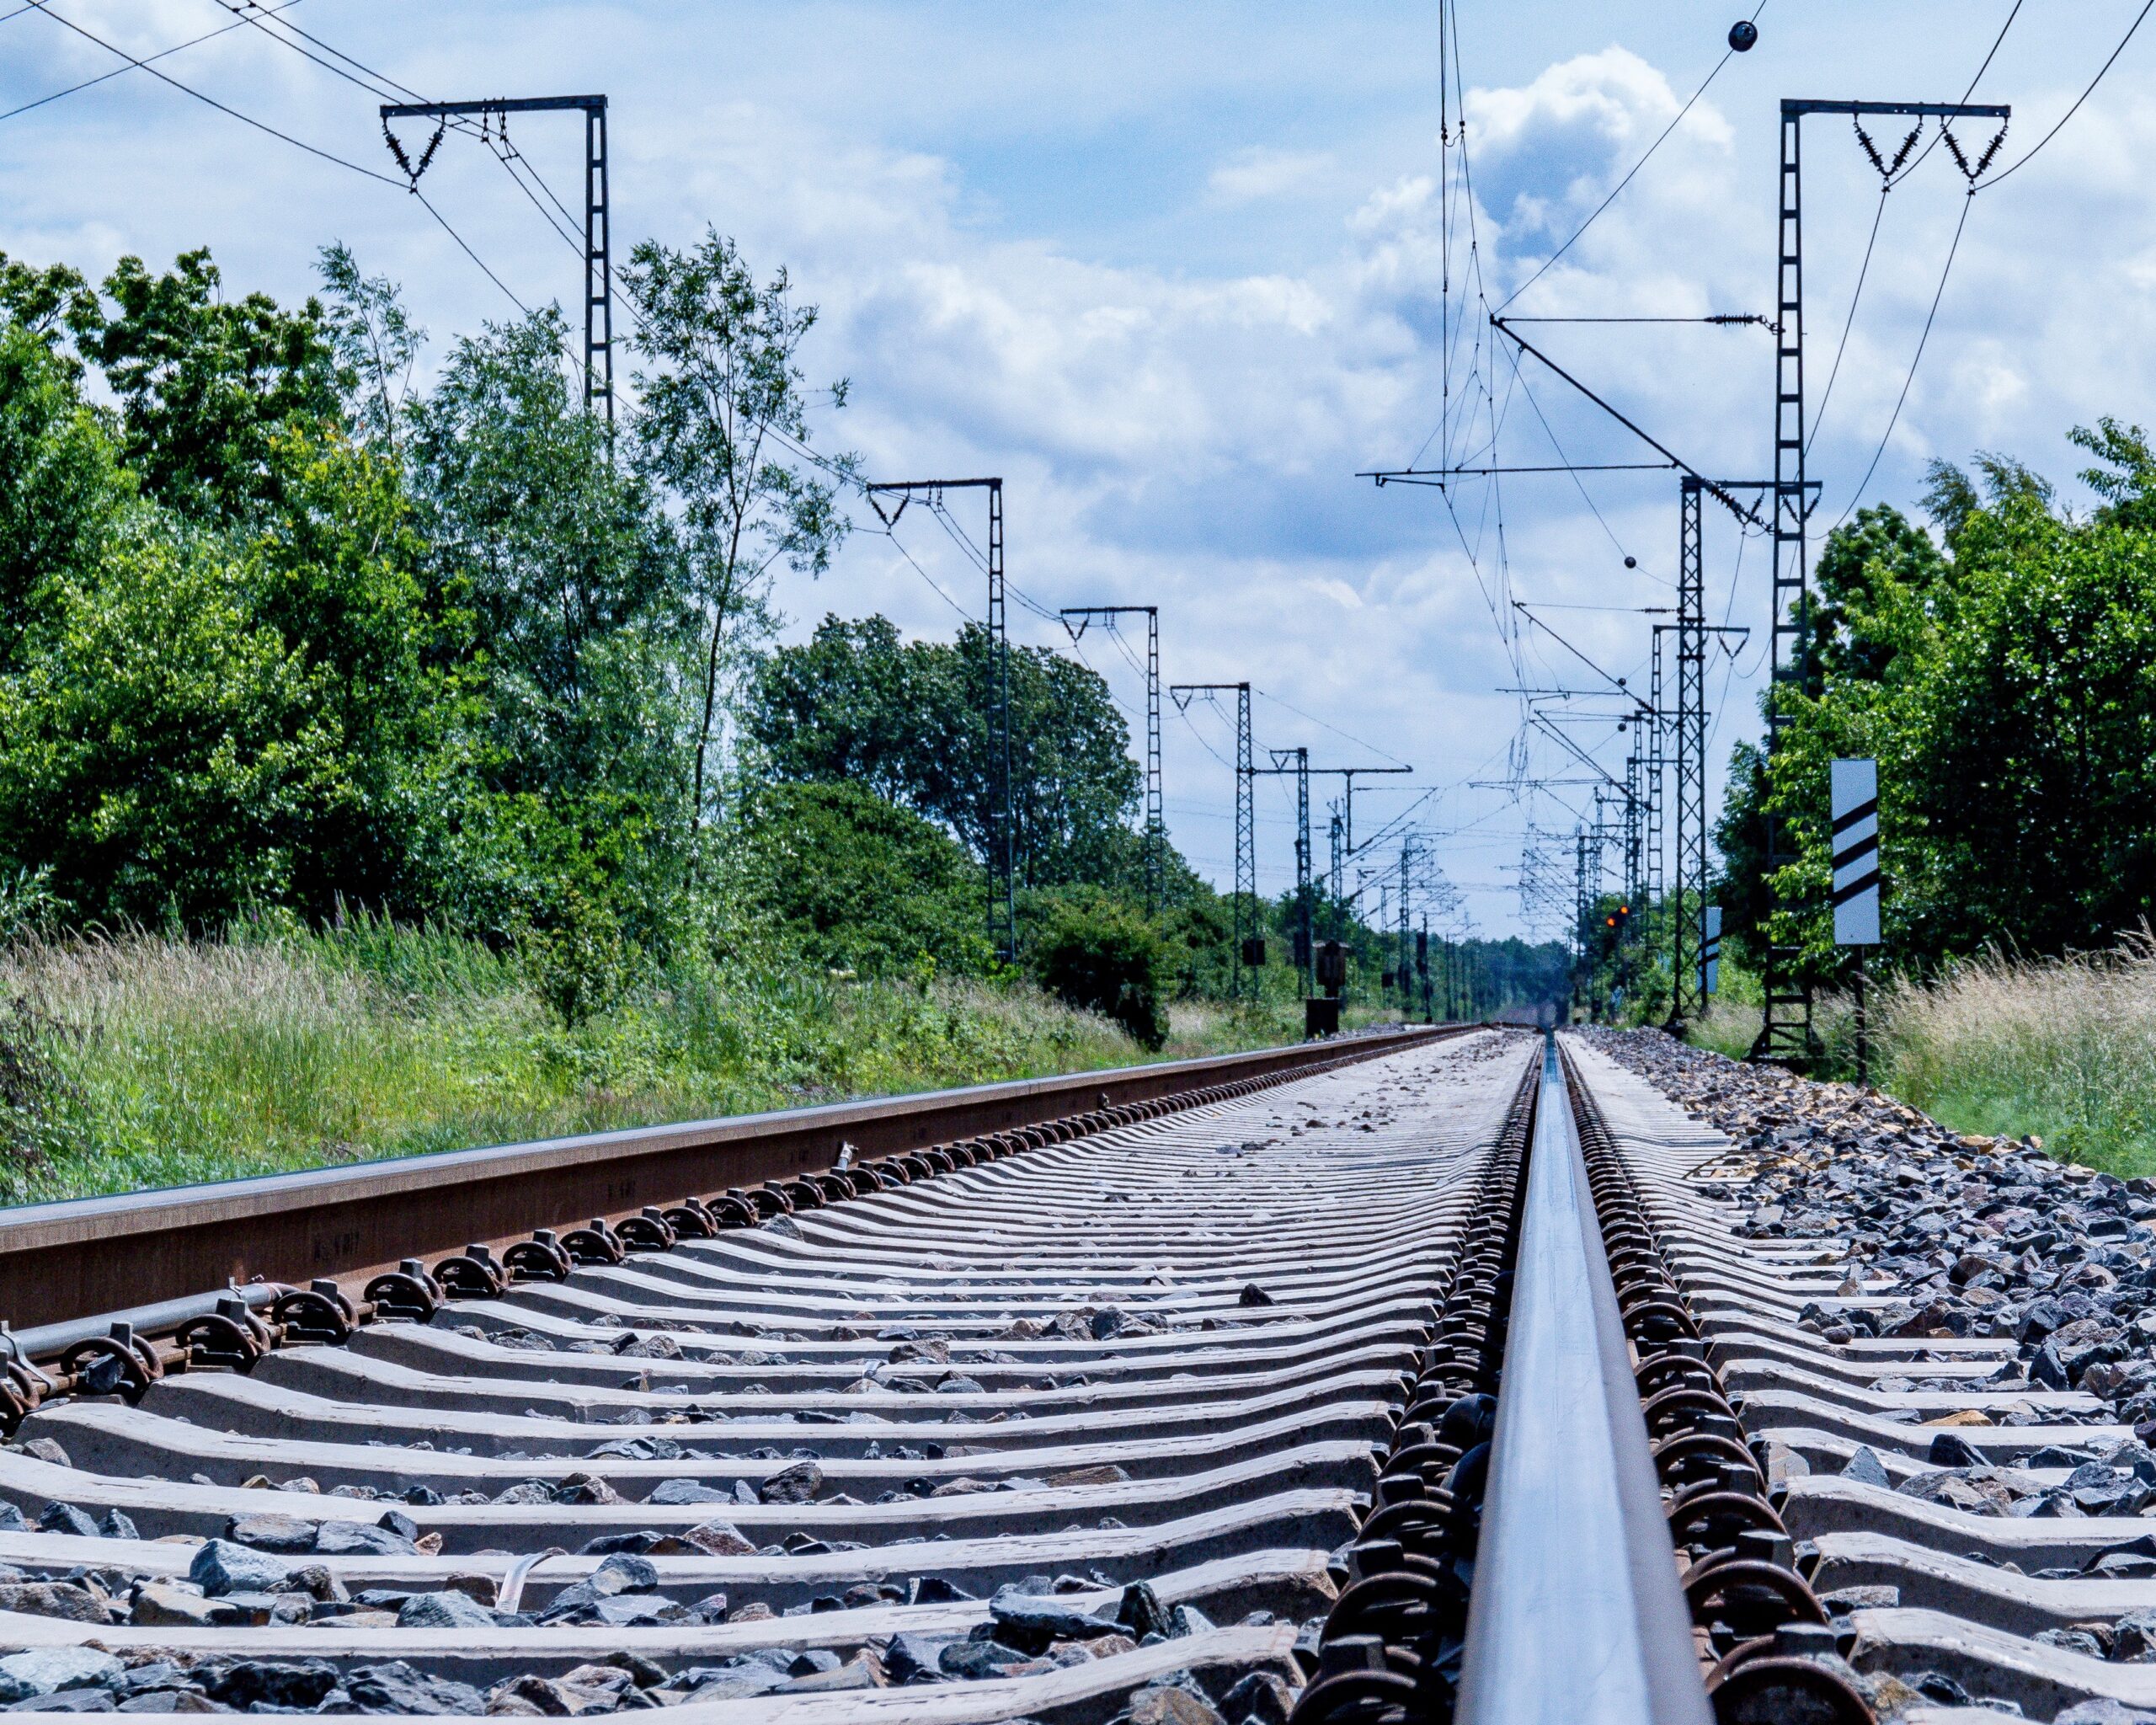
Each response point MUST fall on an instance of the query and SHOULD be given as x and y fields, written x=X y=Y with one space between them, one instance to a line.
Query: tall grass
x=144 y=1059
x=2062 y=1048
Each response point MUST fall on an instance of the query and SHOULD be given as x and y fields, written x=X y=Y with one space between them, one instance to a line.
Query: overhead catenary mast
x=1247 y=958
x=1156 y=832
x=598 y=237
x=1002 y=835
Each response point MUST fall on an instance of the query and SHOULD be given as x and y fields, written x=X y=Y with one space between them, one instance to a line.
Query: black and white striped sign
x=1710 y=948
x=1856 y=785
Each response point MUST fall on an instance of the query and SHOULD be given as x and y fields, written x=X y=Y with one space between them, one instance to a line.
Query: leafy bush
x=853 y=882
x=1096 y=954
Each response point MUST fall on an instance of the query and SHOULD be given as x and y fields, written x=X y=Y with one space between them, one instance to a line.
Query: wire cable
x=1336 y=731
x=2022 y=161
x=934 y=585
x=117 y=71
x=1848 y=322
x=1728 y=55
x=44 y=6
x=1970 y=91
x=1916 y=360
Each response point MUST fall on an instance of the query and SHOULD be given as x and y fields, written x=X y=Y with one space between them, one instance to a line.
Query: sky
x=1180 y=274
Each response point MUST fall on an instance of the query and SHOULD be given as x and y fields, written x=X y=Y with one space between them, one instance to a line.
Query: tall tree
x=724 y=425
x=565 y=562
x=205 y=384
x=911 y=722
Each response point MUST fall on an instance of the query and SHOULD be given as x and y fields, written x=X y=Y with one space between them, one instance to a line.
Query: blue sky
x=1173 y=270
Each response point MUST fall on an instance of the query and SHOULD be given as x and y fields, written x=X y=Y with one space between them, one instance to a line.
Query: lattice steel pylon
x=1656 y=768
x=1305 y=952
x=1406 y=936
x=1686 y=1002
x=1002 y=836
x=1156 y=831
x=1786 y=1029
x=1339 y=917
x=1245 y=910
x=598 y=212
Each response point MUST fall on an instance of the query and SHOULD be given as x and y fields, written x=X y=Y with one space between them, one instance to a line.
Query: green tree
x=570 y=580
x=63 y=490
x=2010 y=697
x=722 y=423
x=205 y=386
x=564 y=562
x=167 y=751
x=914 y=723
x=376 y=344
x=853 y=882
x=1099 y=954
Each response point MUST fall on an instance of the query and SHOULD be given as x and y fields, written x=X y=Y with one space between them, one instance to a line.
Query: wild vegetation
x=2001 y=668
x=394 y=755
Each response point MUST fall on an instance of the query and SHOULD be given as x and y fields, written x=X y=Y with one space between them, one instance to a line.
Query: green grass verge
x=2062 y=1050
x=144 y=1061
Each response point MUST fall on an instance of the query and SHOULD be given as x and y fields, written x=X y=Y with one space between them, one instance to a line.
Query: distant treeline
x=291 y=627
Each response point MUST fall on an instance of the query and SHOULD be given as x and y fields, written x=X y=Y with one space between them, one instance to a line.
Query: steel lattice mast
x=1156 y=831
x=1002 y=836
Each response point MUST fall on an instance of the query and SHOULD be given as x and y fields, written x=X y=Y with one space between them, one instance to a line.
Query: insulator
x=1908 y=144
x=1871 y=149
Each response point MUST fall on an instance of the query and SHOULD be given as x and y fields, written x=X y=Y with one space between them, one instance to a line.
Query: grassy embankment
x=146 y=1060
x=2061 y=1049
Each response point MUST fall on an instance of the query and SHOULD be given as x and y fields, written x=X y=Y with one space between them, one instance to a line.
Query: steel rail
x=63 y=1262
x=1576 y=1616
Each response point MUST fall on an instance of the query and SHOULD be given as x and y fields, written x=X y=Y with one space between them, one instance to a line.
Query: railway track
x=1419 y=1379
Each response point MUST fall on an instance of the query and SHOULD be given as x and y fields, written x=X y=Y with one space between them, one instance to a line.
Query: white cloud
x=1039 y=256
x=1259 y=173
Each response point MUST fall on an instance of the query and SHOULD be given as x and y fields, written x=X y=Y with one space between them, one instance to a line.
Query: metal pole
x=598 y=216
x=1339 y=917
x=1785 y=1031
x=1406 y=851
x=1156 y=831
x=598 y=272
x=1156 y=827
x=1303 y=869
x=1246 y=905
x=1863 y=1029
x=1006 y=909
x=1686 y=1000
x=1001 y=843
x=1245 y=832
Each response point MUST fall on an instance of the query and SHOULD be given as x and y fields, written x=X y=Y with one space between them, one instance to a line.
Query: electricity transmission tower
x=1686 y=724
x=1339 y=884
x=1305 y=954
x=598 y=239
x=1785 y=1031
x=1002 y=836
x=1246 y=817
x=1156 y=831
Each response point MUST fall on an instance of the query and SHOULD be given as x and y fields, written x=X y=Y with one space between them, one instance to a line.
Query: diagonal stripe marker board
x=1855 y=797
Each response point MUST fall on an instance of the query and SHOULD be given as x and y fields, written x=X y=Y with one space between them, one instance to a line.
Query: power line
x=1996 y=42
x=2012 y=166
x=1848 y=322
x=44 y=6
x=1917 y=359
x=466 y=248
x=936 y=586
x=1336 y=731
x=1728 y=55
x=117 y=71
x=243 y=12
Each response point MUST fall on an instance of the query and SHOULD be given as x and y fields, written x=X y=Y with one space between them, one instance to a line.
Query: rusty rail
x=72 y=1260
